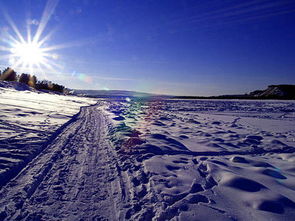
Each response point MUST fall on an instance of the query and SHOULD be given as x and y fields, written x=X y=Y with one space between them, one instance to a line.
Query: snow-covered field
x=27 y=120
x=212 y=159
x=146 y=159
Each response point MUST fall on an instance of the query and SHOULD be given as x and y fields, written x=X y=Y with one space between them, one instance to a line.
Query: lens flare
x=85 y=78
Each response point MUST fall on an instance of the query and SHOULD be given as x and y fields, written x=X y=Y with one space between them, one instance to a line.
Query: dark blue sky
x=184 y=47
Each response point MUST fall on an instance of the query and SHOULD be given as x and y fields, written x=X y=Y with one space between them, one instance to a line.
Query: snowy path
x=70 y=179
x=28 y=120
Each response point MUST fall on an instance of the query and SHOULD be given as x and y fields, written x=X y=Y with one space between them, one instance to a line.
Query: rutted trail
x=70 y=179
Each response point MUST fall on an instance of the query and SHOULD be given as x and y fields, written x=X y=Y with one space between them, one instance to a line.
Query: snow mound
x=15 y=85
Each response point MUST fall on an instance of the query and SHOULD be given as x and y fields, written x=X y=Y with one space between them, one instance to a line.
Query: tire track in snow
x=74 y=178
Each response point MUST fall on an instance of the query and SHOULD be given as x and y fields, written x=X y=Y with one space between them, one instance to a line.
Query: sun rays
x=29 y=53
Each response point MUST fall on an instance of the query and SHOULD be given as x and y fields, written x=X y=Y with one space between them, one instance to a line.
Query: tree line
x=31 y=80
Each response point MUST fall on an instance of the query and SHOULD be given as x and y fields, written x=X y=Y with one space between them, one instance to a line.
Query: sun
x=31 y=53
x=28 y=53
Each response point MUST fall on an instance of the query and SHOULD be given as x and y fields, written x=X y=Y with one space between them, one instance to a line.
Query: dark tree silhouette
x=8 y=75
x=24 y=78
x=58 y=88
x=44 y=85
x=32 y=81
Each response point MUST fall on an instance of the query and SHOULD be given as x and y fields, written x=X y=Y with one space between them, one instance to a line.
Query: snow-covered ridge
x=15 y=85
x=276 y=91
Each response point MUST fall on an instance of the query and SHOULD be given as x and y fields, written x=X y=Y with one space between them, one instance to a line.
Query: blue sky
x=183 y=47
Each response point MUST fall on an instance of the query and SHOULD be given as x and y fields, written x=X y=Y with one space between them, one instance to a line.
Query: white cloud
x=32 y=22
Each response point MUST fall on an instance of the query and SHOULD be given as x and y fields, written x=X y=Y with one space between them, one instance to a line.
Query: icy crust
x=216 y=160
x=27 y=120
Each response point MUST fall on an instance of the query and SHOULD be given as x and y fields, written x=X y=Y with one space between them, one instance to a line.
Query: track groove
x=69 y=178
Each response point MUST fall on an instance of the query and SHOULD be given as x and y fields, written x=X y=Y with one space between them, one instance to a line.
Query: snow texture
x=146 y=159
x=28 y=119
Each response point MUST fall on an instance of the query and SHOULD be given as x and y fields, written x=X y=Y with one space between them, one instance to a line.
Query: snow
x=28 y=119
x=227 y=160
x=146 y=159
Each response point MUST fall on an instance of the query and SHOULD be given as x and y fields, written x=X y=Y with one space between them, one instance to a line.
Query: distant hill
x=282 y=91
x=113 y=93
